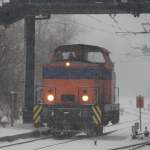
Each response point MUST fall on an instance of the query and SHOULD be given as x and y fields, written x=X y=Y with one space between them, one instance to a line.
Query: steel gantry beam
x=18 y=9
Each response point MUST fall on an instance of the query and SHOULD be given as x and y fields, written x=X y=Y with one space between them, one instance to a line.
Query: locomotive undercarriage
x=67 y=120
x=70 y=120
x=111 y=114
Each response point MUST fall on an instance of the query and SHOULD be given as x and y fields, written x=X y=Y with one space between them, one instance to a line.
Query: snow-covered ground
x=12 y=131
x=19 y=129
x=115 y=139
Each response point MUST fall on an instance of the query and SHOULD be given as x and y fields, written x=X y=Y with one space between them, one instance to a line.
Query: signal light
x=50 y=97
x=85 y=98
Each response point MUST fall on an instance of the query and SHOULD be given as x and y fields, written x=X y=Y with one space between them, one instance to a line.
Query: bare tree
x=49 y=34
x=11 y=61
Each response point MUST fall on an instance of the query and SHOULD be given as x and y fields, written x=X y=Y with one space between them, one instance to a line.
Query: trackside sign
x=140 y=101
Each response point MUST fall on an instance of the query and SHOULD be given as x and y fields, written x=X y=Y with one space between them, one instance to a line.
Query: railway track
x=140 y=146
x=133 y=146
x=25 y=142
x=120 y=126
x=136 y=111
x=73 y=139
x=61 y=143
x=77 y=138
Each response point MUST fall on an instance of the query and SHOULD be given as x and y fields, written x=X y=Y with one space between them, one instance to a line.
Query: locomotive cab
x=78 y=90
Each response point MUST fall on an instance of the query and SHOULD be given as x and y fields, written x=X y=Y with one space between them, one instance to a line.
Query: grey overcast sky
x=133 y=73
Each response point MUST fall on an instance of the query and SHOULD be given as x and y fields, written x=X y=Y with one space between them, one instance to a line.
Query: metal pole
x=29 y=74
x=12 y=100
x=118 y=94
x=12 y=113
x=140 y=119
x=117 y=97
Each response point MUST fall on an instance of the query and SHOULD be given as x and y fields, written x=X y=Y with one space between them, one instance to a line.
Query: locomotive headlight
x=67 y=64
x=50 y=97
x=85 y=98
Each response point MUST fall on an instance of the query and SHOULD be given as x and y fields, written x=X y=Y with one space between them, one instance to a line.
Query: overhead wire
x=126 y=61
x=125 y=30
x=135 y=56
x=100 y=21
x=95 y=28
x=89 y=26
x=85 y=25
x=81 y=24
x=116 y=24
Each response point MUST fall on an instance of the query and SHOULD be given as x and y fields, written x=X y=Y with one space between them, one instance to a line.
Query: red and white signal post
x=140 y=104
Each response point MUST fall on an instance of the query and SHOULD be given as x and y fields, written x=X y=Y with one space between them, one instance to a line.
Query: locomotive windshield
x=87 y=56
x=95 y=57
x=68 y=55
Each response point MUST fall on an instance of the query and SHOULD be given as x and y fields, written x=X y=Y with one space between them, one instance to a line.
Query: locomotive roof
x=81 y=47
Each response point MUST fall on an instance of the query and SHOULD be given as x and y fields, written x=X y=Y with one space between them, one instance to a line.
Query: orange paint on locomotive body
x=98 y=90
x=70 y=87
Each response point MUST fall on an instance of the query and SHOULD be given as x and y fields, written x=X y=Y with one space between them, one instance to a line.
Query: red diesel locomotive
x=78 y=91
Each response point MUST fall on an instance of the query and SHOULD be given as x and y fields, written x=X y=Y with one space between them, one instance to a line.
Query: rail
x=48 y=135
x=133 y=146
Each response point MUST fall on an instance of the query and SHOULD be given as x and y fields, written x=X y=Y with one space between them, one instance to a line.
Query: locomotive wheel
x=57 y=134
x=62 y=135
x=100 y=131
x=115 y=121
x=96 y=131
x=115 y=118
x=36 y=133
x=105 y=122
x=68 y=134
x=90 y=133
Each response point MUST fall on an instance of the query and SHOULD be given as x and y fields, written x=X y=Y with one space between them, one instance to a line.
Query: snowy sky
x=132 y=72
